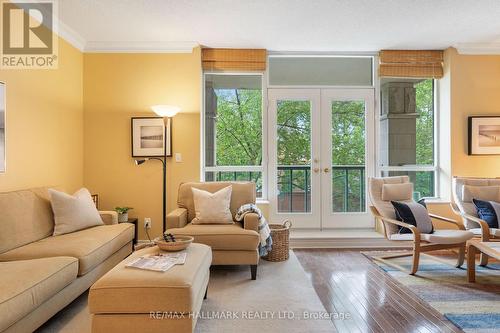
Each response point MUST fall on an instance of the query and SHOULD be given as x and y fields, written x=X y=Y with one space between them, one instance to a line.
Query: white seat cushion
x=493 y=232
x=401 y=237
x=439 y=236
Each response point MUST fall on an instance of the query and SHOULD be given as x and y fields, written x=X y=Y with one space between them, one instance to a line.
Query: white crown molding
x=139 y=47
x=478 y=48
x=71 y=36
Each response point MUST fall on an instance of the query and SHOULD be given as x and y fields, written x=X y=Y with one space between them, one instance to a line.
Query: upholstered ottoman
x=134 y=300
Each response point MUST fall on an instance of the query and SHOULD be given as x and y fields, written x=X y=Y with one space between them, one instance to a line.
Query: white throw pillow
x=73 y=212
x=212 y=208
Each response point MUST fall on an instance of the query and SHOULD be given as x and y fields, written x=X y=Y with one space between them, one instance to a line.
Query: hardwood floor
x=348 y=282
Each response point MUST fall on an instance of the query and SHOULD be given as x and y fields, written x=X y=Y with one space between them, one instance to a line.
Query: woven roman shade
x=233 y=59
x=409 y=63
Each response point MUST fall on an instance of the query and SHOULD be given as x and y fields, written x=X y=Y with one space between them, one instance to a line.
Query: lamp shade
x=165 y=110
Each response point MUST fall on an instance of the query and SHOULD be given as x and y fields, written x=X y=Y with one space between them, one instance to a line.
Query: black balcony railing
x=294 y=186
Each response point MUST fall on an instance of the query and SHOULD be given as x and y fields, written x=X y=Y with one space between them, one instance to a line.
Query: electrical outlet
x=147 y=223
x=178 y=157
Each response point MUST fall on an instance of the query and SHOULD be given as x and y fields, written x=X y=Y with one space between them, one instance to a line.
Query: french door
x=321 y=151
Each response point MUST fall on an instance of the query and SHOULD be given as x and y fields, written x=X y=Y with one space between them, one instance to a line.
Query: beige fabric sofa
x=233 y=244
x=39 y=273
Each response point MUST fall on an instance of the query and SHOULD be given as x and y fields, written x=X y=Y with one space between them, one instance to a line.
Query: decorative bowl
x=181 y=242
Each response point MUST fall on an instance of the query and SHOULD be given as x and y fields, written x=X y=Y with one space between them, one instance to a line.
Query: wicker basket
x=280 y=234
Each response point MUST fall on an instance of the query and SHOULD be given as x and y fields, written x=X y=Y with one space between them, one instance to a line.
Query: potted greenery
x=122 y=213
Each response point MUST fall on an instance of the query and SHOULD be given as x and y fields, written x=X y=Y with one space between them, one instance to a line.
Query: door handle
x=326 y=170
x=316 y=170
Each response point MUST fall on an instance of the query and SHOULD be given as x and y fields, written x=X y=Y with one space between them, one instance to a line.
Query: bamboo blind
x=233 y=59
x=409 y=63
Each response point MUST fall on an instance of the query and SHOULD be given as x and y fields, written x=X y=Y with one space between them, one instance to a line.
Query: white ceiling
x=281 y=25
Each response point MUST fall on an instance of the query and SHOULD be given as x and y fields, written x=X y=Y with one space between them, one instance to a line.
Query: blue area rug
x=473 y=307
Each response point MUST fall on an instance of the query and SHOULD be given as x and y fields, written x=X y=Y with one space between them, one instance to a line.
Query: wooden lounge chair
x=464 y=190
x=382 y=191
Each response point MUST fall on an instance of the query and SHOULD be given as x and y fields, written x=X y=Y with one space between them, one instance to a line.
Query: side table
x=135 y=222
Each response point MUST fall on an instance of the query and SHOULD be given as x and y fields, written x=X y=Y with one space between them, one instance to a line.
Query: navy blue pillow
x=487 y=211
x=413 y=213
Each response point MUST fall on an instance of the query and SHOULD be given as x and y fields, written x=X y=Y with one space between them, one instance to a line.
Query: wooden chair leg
x=471 y=263
x=461 y=256
x=416 y=259
x=483 y=259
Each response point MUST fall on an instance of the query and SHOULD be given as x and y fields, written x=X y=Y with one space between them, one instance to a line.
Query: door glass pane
x=348 y=156
x=294 y=156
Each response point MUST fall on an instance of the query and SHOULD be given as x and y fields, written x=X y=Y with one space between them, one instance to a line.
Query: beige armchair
x=464 y=190
x=384 y=190
x=233 y=244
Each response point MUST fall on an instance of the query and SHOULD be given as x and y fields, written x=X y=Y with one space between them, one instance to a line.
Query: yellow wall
x=44 y=124
x=118 y=87
x=475 y=90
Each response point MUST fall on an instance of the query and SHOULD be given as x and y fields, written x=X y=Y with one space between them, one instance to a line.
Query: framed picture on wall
x=484 y=135
x=148 y=136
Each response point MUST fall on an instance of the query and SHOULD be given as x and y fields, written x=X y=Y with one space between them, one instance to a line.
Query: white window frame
x=415 y=168
x=239 y=168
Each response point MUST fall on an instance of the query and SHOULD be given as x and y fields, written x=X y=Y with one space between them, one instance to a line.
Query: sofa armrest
x=177 y=218
x=251 y=222
x=109 y=216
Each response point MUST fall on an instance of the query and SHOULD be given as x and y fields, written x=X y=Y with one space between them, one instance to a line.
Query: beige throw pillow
x=73 y=212
x=212 y=208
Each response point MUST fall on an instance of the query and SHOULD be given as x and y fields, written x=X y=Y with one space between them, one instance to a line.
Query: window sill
x=437 y=201
x=262 y=202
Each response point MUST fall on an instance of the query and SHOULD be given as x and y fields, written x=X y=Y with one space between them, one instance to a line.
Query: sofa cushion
x=242 y=193
x=130 y=290
x=220 y=236
x=26 y=284
x=73 y=212
x=26 y=217
x=90 y=246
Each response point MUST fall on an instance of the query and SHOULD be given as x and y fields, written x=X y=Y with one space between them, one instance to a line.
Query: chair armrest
x=447 y=220
x=485 y=228
x=413 y=229
x=251 y=222
x=109 y=216
x=177 y=218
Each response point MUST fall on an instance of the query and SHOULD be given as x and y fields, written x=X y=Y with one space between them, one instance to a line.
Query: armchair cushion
x=414 y=213
x=212 y=208
x=488 y=193
x=438 y=237
x=221 y=236
x=397 y=192
x=242 y=193
x=488 y=211
x=479 y=232
x=384 y=207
